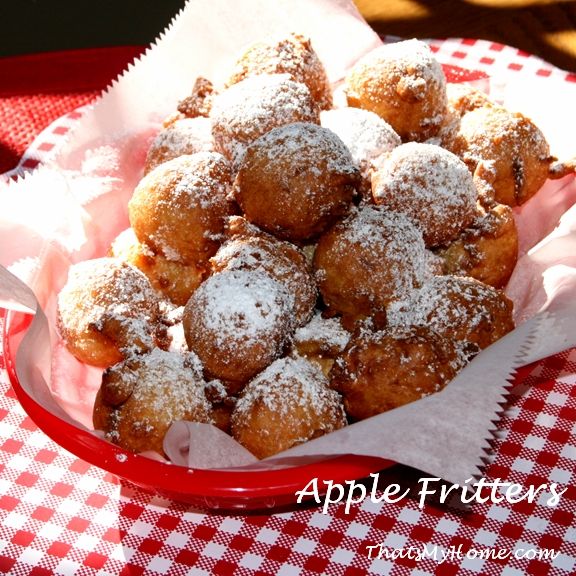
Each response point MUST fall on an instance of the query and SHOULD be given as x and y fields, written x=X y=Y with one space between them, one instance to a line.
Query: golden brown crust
x=295 y=248
x=140 y=398
x=293 y=55
x=106 y=309
x=368 y=137
x=199 y=102
x=249 y=248
x=561 y=168
x=174 y=280
x=179 y=137
x=368 y=260
x=404 y=84
x=515 y=154
x=383 y=370
x=238 y=322
x=251 y=108
x=459 y=308
x=463 y=98
x=179 y=209
x=487 y=250
x=429 y=184
x=287 y=404
x=296 y=180
x=321 y=340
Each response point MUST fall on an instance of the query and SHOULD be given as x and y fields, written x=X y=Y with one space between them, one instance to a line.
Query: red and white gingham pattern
x=59 y=515
x=45 y=144
x=495 y=59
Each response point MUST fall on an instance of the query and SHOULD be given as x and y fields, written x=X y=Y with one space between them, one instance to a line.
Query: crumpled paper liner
x=71 y=209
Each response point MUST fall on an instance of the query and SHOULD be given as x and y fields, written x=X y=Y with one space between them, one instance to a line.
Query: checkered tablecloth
x=60 y=515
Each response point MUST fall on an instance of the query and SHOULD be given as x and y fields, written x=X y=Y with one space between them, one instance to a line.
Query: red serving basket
x=222 y=489
x=214 y=489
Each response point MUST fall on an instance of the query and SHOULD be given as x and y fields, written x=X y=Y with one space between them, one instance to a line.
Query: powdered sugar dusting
x=367 y=136
x=246 y=255
x=166 y=387
x=183 y=136
x=483 y=127
x=292 y=55
x=199 y=186
x=107 y=291
x=251 y=249
x=327 y=332
x=241 y=306
x=315 y=147
x=430 y=184
x=412 y=60
x=403 y=83
x=289 y=382
x=447 y=304
x=383 y=255
x=392 y=235
x=249 y=109
x=178 y=208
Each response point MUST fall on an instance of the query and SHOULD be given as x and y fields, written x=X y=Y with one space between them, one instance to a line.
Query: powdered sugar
x=181 y=137
x=327 y=332
x=456 y=307
x=289 y=382
x=317 y=149
x=198 y=182
x=292 y=54
x=412 y=60
x=386 y=232
x=296 y=180
x=165 y=387
x=178 y=208
x=252 y=249
x=371 y=258
x=106 y=288
x=249 y=109
x=404 y=84
x=241 y=306
x=367 y=136
x=430 y=184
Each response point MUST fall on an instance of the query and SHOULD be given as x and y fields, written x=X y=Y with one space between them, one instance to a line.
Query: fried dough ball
x=249 y=248
x=296 y=180
x=238 y=322
x=432 y=186
x=287 y=404
x=106 y=309
x=513 y=151
x=174 y=280
x=141 y=397
x=382 y=370
x=404 y=84
x=487 y=250
x=462 y=309
x=247 y=110
x=368 y=260
x=321 y=340
x=179 y=137
x=293 y=55
x=179 y=209
x=367 y=136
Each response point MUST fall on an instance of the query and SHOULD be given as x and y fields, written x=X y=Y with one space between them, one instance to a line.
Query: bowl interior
x=248 y=488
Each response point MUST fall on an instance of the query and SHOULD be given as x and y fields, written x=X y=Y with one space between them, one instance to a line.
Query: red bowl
x=222 y=489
